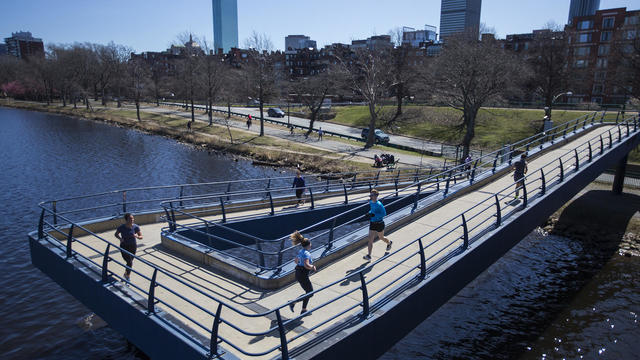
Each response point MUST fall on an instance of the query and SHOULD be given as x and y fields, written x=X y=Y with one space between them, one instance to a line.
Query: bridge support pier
x=618 y=180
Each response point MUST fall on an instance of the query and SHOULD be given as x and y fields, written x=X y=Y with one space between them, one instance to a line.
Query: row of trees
x=466 y=75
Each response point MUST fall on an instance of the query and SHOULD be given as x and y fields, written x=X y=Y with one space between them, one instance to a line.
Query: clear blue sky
x=147 y=25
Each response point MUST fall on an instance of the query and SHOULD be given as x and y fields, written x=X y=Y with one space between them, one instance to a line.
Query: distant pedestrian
x=291 y=129
x=299 y=185
x=304 y=265
x=127 y=233
x=248 y=122
x=189 y=126
x=376 y=223
x=467 y=165
x=320 y=133
x=520 y=169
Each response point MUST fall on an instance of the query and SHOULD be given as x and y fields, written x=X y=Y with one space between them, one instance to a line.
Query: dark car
x=381 y=137
x=275 y=112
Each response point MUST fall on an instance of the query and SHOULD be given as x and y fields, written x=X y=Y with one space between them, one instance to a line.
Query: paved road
x=352 y=152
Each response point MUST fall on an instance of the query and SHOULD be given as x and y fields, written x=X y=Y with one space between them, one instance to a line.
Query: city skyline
x=154 y=28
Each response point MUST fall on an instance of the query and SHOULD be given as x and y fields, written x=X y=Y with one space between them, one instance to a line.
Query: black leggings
x=302 y=275
x=130 y=247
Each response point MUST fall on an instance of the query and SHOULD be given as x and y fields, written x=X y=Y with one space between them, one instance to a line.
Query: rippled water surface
x=550 y=297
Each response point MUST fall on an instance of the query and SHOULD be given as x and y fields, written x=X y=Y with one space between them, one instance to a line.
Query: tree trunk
x=138 y=107
x=399 y=96
x=470 y=126
x=86 y=101
x=104 y=101
x=261 y=115
x=228 y=109
x=210 y=111
x=64 y=99
x=372 y=125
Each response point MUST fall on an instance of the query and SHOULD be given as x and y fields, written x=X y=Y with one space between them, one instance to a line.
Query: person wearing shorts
x=127 y=233
x=519 y=170
x=376 y=223
x=304 y=265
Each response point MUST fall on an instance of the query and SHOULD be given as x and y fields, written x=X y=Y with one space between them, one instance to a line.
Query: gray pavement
x=355 y=152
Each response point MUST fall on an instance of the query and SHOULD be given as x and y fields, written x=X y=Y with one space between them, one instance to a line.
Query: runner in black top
x=520 y=169
x=127 y=233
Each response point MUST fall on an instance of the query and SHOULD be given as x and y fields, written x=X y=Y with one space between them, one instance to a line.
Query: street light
x=548 y=123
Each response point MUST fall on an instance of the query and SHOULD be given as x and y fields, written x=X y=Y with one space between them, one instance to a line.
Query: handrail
x=576 y=157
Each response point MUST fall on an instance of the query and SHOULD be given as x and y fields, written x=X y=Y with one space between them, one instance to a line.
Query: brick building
x=23 y=45
x=595 y=45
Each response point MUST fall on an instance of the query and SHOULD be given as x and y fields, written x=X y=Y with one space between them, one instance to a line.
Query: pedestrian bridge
x=213 y=275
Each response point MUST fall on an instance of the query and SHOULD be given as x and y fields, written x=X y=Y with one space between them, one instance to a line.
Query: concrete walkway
x=195 y=282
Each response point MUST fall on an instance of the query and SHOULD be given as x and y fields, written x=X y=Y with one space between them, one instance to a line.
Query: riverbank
x=600 y=218
x=264 y=150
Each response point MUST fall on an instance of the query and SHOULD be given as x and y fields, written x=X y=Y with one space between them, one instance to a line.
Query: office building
x=583 y=8
x=417 y=38
x=225 y=25
x=459 y=16
x=23 y=45
x=296 y=42
x=3 y=49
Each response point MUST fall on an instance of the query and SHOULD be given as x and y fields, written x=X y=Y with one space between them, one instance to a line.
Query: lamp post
x=548 y=123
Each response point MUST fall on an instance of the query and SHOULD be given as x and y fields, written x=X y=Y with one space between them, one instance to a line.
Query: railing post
x=151 y=301
x=525 y=200
x=228 y=190
x=601 y=145
x=326 y=189
x=473 y=172
x=544 y=182
x=415 y=177
x=173 y=226
x=396 y=182
x=446 y=189
x=498 y=212
x=124 y=201
x=370 y=187
x=353 y=181
x=365 y=296
x=181 y=194
x=577 y=160
x=213 y=343
x=55 y=214
x=561 y=170
x=346 y=198
x=465 y=235
x=283 y=337
x=69 y=241
x=105 y=264
x=271 y=202
x=224 y=213
x=41 y=225
x=330 y=242
x=610 y=140
x=495 y=163
x=423 y=264
x=590 y=152
x=626 y=122
x=311 y=196
x=510 y=155
x=377 y=178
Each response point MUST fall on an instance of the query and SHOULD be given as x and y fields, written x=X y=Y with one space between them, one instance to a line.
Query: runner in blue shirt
x=304 y=265
x=376 y=223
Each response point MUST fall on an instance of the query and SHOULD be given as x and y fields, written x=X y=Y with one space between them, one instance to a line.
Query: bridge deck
x=255 y=301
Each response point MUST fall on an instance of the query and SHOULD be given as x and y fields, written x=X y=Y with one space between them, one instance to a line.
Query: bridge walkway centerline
x=256 y=301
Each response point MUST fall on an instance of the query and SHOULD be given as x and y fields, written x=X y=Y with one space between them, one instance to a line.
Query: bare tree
x=259 y=72
x=138 y=80
x=312 y=92
x=366 y=73
x=189 y=68
x=627 y=56
x=44 y=70
x=213 y=76
x=468 y=73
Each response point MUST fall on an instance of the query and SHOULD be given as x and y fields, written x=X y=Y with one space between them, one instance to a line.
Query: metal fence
x=419 y=257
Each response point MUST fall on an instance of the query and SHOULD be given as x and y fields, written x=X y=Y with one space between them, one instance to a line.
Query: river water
x=550 y=297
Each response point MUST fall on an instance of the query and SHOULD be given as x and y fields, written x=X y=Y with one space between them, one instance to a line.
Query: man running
x=376 y=224
x=520 y=169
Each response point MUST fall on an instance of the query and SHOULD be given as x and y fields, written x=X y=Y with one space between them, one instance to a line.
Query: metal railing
x=420 y=256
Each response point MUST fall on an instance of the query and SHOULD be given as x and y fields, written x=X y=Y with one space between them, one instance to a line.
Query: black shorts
x=376 y=226
x=299 y=192
x=518 y=177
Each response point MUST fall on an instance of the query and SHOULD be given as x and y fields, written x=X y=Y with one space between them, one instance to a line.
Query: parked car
x=381 y=137
x=275 y=112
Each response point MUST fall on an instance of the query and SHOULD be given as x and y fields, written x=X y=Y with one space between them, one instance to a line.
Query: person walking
x=320 y=133
x=189 y=126
x=127 y=233
x=304 y=265
x=376 y=223
x=467 y=165
x=248 y=121
x=299 y=185
x=520 y=169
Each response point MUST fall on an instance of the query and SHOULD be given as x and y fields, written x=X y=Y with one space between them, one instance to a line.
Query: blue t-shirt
x=302 y=255
x=127 y=234
x=378 y=211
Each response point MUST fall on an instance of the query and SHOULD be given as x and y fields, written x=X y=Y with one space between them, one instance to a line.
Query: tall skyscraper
x=457 y=16
x=225 y=24
x=582 y=8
